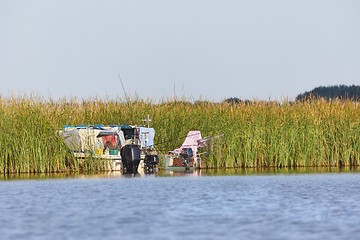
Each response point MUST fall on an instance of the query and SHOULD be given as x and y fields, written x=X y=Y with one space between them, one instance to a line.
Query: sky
x=161 y=49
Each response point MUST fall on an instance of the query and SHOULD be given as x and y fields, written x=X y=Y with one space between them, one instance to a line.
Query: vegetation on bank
x=256 y=134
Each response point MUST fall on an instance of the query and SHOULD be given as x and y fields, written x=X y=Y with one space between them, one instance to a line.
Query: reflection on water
x=271 y=171
x=201 y=172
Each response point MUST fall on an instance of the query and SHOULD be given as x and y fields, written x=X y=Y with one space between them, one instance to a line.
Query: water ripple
x=220 y=207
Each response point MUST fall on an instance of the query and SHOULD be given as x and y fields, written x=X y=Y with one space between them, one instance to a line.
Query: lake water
x=182 y=206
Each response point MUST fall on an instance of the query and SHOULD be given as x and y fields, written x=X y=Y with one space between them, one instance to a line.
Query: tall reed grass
x=256 y=134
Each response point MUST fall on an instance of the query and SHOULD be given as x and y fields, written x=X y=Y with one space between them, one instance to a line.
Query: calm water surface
x=188 y=206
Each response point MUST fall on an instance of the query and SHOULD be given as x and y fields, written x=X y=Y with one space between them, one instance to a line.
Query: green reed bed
x=27 y=140
x=256 y=134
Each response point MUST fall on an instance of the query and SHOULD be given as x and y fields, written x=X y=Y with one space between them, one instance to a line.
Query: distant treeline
x=329 y=93
x=332 y=92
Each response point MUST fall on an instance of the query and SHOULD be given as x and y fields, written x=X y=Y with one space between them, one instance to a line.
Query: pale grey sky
x=213 y=49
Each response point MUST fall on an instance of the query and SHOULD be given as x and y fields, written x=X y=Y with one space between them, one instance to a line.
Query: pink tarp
x=192 y=141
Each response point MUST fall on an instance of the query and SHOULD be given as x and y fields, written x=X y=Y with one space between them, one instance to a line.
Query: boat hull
x=178 y=164
x=114 y=162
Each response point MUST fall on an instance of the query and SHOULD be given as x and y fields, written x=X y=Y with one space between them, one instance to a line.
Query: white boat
x=126 y=147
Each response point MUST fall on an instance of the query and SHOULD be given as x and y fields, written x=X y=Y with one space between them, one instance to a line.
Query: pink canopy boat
x=187 y=155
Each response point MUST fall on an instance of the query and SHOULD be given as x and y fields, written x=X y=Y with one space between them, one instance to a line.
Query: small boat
x=187 y=156
x=127 y=148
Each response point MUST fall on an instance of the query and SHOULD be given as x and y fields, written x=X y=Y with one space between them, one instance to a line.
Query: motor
x=186 y=154
x=130 y=156
x=150 y=162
